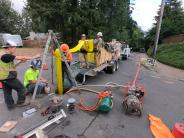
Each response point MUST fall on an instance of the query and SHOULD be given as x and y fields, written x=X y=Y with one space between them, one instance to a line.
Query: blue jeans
x=31 y=87
x=15 y=84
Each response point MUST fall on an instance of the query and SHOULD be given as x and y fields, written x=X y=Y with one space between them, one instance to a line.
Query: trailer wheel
x=117 y=65
x=124 y=57
x=79 y=77
x=111 y=69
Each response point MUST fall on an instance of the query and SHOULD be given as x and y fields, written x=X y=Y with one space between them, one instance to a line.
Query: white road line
x=168 y=82
x=156 y=77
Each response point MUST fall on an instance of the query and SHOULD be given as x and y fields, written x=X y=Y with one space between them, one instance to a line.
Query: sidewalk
x=170 y=72
x=165 y=70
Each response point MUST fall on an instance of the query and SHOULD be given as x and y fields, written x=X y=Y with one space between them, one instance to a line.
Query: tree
x=172 y=23
x=9 y=18
x=71 y=18
x=25 y=23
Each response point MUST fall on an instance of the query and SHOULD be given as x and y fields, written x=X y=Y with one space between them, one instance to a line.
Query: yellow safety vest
x=5 y=68
x=88 y=45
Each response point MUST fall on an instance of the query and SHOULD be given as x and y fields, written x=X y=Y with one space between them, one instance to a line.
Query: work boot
x=22 y=103
x=87 y=66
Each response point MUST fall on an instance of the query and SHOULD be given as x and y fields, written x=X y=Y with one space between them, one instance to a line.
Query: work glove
x=83 y=51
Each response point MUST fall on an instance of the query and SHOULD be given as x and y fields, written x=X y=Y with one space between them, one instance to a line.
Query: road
x=164 y=99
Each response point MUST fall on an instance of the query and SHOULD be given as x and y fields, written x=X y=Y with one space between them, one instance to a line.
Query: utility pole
x=158 y=28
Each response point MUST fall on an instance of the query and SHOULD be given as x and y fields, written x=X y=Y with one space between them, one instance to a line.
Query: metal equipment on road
x=71 y=105
x=56 y=117
x=134 y=94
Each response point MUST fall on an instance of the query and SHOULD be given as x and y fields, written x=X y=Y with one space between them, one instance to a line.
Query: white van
x=125 y=52
x=8 y=37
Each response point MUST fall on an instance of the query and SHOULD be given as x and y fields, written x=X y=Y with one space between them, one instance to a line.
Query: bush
x=149 y=52
x=171 y=54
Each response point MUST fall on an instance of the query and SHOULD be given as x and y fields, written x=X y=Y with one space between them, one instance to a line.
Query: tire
x=124 y=57
x=79 y=77
x=117 y=65
x=111 y=69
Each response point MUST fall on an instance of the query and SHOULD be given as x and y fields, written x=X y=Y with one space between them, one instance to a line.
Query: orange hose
x=101 y=95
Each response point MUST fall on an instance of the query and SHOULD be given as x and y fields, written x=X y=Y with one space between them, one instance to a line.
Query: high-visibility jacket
x=5 y=68
x=68 y=55
x=88 y=45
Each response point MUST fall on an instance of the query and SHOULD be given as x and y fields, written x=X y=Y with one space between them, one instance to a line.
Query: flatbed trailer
x=108 y=62
x=82 y=73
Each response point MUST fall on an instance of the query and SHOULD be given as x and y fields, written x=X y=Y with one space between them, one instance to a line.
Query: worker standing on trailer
x=8 y=74
x=83 y=53
x=68 y=56
x=31 y=76
x=98 y=44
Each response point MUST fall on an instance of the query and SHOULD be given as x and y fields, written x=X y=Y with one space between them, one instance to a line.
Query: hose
x=101 y=95
x=82 y=106
x=108 y=84
x=83 y=89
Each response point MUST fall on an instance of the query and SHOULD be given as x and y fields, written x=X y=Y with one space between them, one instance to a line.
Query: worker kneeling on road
x=68 y=56
x=31 y=78
x=8 y=74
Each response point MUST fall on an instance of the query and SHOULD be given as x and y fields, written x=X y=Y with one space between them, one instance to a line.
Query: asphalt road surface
x=164 y=99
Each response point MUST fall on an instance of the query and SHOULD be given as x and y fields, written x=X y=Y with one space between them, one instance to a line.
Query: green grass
x=171 y=54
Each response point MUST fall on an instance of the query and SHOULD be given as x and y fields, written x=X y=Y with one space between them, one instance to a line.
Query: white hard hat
x=10 y=43
x=83 y=35
x=99 y=34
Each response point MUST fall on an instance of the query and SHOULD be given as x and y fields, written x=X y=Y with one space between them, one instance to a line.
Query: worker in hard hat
x=8 y=74
x=98 y=44
x=66 y=52
x=83 y=53
x=31 y=78
x=99 y=41
x=68 y=56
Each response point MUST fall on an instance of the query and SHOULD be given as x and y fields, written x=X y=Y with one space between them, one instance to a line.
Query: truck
x=4 y=37
x=125 y=51
x=108 y=60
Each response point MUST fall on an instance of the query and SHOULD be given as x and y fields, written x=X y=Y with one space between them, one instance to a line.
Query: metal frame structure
x=51 y=37
x=33 y=131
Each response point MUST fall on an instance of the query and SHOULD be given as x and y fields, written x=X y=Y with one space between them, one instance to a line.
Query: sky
x=143 y=13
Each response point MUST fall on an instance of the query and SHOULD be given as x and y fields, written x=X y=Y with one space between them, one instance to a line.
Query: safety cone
x=178 y=130
x=1 y=85
x=45 y=67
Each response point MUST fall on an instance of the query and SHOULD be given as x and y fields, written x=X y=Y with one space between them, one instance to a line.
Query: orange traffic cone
x=45 y=67
x=178 y=130
x=158 y=128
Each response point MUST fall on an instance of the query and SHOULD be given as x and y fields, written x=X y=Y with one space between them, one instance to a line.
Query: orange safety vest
x=68 y=56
